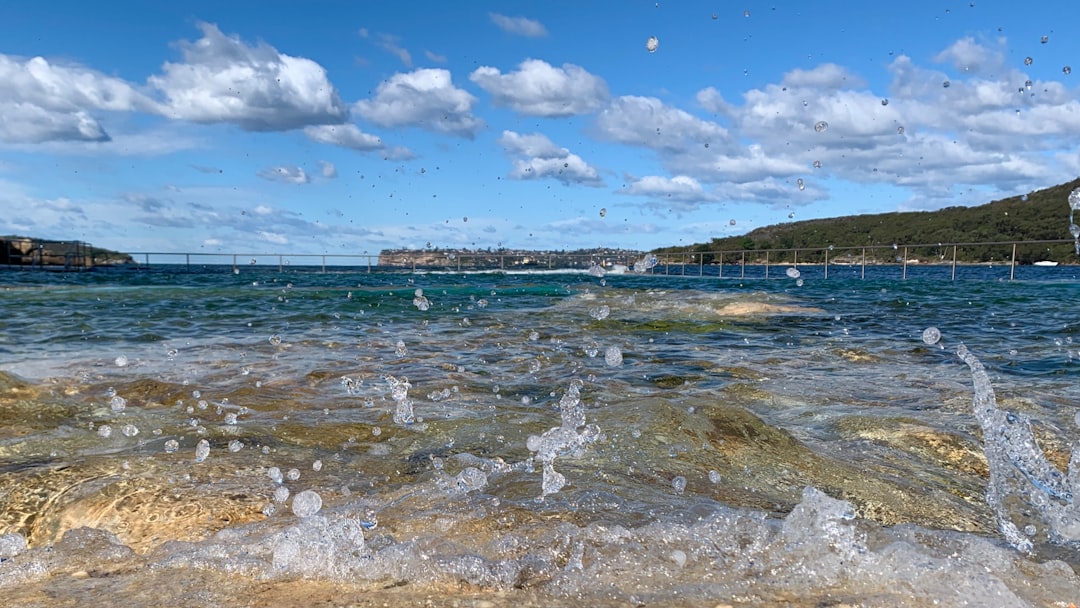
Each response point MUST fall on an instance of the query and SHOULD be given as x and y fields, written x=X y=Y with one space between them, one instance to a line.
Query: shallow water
x=743 y=442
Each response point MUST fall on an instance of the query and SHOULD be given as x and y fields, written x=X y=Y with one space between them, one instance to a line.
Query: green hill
x=1041 y=215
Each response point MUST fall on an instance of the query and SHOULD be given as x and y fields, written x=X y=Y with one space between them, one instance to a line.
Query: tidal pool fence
x=946 y=261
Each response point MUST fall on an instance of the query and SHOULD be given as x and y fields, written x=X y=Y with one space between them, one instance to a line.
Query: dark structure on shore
x=21 y=252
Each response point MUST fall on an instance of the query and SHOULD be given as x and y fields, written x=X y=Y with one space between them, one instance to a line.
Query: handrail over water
x=722 y=264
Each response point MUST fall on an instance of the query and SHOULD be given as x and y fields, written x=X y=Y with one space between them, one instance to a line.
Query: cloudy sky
x=336 y=126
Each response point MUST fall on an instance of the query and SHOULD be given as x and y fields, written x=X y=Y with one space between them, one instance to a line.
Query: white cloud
x=329 y=171
x=286 y=173
x=970 y=57
x=273 y=237
x=346 y=136
x=257 y=88
x=390 y=44
x=425 y=98
x=539 y=158
x=42 y=101
x=519 y=26
x=824 y=76
x=540 y=89
x=432 y=56
x=680 y=187
x=648 y=122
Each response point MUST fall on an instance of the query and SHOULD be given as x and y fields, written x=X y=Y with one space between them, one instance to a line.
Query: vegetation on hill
x=1041 y=215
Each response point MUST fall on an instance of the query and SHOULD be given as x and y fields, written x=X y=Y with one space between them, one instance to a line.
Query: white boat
x=1045 y=263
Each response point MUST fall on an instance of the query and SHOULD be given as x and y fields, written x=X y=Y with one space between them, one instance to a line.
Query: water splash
x=1026 y=491
x=399 y=392
x=562 y=440
x=1074 y=230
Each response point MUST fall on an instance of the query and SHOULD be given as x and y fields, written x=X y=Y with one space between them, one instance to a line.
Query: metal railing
x=723 y=264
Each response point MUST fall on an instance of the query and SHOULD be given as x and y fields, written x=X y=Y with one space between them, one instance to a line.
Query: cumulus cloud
x=390 y=44
x=539 y=89
x=42 y=101
x=256 y=87
x=538 y=157
x=273 y=237
x=432 y=56
x=968 y=56
x=286 y=173
x=649 y=122
x=519 y=26
x=425 y=98
x=346 y=136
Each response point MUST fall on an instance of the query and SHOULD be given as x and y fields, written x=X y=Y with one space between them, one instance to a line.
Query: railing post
x=280 y=264
x=863 y=264
x=234 y=267
x=701 y=265
x=721 y=265
x=905 y=263
x=742 y=265
x=146 y=259
x=1012 y=267
x=954 y=262
x=187 y=262
x=795 y=263
x=683 y=264
x=324 y=264
x=766 y=264
x=826 y=263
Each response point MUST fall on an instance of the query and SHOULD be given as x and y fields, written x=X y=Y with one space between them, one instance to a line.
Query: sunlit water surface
x=271 y=438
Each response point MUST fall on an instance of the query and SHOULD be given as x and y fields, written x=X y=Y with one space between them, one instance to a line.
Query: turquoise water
x=700 y=411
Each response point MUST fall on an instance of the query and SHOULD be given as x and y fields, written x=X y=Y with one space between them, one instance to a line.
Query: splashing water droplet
x=793 y=273
x=1044 y=39
x=821 y=126
x=800 y=184
x=117 y=403
x=652 y=44
x=275 y=340
x=931 y=335
x=900 y=130
x=306 y=504
x=1074 y=199
x=1066 y=70
x=613 y=356
x=603 y=211
x=171 y=446
x=885 y=102
x=678 y=483
x=1027 y=84
x=731 y=222
x=817 y=164
x=1028 y=60
x=946 y=84
x=746 y=13
x=202 y=450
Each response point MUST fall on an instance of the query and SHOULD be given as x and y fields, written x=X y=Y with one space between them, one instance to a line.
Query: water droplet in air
x=306 y=503
x=1074 y=199
x=800 y=184
x=652 y=44
x=118 y=403
x=931 y=335
x=202 y=450
x=1044 y=39
x=1066 y=70
x=793 y=273
x=281 y=494
x=946 y=84
x=884 y=102
x=465 y=219
x=791 y=215
x=1074 y=230
x=236 y=445
x=129 y=430
x=746 y=13
x=275 y=340
x=1028 y=60
x=821 y=126
x=1027 y=84
x=817 y=164
x=613 y=356
x=603 y=211
x=121 y=361
x=171 y=446
x=316 y=466
x=714 y=476
x=104 y=431
x=715 y=16
x=731 y=222
x=679 y=485
x=900 y=129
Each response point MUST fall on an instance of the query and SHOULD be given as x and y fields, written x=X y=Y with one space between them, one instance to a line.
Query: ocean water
x=371 y=438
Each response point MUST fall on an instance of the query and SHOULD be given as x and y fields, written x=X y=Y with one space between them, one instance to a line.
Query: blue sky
x=348 y=127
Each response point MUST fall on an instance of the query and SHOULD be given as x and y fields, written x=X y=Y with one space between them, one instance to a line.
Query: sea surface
x=221 y=437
